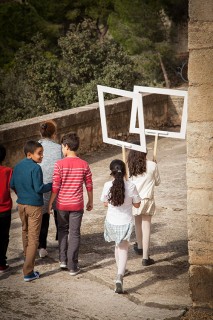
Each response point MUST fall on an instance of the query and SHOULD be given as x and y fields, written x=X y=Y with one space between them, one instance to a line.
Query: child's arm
x=157 y=176
x=89 y=205
x=39 y=186
x=136 y=199
x=52 y=198
x=89 y=187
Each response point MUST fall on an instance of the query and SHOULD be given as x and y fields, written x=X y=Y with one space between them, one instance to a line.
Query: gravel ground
x=158 y=292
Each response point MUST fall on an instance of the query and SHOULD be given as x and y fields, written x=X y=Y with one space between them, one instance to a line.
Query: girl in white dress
x=119 y=196
x=144 y=174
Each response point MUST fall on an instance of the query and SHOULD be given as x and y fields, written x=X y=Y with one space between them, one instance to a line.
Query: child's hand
x=89 y=206
x=50 y=210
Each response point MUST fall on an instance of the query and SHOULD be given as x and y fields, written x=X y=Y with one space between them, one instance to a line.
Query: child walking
x=69 y=176
x=119 y=196
x=52 y=153
x=27 y=182
x=144 y=174
x=5 y=210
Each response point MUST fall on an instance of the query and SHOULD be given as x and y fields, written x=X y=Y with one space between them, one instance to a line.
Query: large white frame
x=137 y=102
x=171 y=92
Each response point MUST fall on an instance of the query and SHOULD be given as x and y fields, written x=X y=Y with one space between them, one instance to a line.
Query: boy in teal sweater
x=27 y=182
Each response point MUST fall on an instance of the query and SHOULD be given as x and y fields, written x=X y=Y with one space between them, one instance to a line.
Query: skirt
x=147 y=207
x=117 y=233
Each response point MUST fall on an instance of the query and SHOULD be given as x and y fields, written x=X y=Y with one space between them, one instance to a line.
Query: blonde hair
x=48 y=128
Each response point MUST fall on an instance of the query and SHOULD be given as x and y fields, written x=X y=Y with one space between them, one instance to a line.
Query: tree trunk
x=164 y=71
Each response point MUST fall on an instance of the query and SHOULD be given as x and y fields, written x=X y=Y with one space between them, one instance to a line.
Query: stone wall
x=200 y=152
x=86 y=122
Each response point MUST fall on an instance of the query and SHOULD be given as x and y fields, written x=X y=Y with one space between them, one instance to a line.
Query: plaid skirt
x=117 y=233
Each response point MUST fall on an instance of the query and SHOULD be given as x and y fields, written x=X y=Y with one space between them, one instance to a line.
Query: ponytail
x=116 y=194
x=48 y=129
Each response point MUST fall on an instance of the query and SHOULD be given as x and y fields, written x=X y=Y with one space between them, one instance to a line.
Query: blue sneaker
x=32 y=276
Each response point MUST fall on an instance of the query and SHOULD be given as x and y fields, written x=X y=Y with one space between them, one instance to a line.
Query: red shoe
x=4 y=268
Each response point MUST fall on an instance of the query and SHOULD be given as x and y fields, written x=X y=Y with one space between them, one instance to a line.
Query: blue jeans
x=69 y=235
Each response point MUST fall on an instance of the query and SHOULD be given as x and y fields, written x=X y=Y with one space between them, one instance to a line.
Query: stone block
x=200 y=67
x=200 y=253
x=201 y=10
x=200 y=228
x=200 y=103
x=200 y=282
x=199 y=173
x=200 y=140
x=200 y=35
x=200 y=202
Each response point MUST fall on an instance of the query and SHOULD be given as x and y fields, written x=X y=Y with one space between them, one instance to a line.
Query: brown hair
x=48 y=128
x=71 y=140
x=136 y=162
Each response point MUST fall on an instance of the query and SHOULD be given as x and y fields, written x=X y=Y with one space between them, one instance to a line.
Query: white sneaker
x=63 y=265
x=43 y=253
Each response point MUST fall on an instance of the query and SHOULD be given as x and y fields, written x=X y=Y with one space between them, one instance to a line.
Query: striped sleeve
x=56 y=178
x=88 y=179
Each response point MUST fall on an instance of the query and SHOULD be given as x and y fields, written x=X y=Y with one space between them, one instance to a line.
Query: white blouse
x=146 y=182
x=120 y=215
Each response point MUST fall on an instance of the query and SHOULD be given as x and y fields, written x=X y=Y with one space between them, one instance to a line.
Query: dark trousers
x=69 y=226
x=5 y=221
x=44 y=229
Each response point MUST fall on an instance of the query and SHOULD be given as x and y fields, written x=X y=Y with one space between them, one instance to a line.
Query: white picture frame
x=171 y=92
x=137 y=102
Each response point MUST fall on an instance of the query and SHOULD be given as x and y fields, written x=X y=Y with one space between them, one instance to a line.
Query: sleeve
x=56 y=178
x=157 y=176
x=12 y=181
x=135 y=195
x=39 y=186
x=104 y=195
x=88 y=179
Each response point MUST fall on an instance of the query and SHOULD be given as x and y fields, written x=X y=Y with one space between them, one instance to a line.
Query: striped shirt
x=69 y=176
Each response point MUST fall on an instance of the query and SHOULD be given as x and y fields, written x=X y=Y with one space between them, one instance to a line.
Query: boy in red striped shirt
x=69 y=176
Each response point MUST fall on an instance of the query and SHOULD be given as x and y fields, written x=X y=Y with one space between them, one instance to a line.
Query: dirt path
x=157 y=292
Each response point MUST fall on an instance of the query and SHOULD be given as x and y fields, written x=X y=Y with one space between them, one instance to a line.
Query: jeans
x=31 y=217
x=5 y=221
x=69 y=225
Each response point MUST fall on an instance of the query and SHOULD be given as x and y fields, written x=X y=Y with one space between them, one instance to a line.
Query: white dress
x=145 y=184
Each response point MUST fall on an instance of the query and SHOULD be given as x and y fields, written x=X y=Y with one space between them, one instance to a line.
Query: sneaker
x=74 y=272
x=138 y=251
x=63 y=265
x=43 y=253
x=119 y=284
x=4 y=268
x=32 y=276
x=147 y=262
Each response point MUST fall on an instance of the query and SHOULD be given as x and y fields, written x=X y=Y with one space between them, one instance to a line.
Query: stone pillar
x=200 y=152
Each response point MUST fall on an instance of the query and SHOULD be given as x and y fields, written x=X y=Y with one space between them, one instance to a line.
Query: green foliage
x=49 y=65
x=39 y=82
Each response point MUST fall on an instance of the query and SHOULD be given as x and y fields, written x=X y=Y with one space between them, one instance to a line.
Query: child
x=69 y=176
x=27 y=182
x=119 y=195
x=5 y=210
x=144 y=174
x=52 y=153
